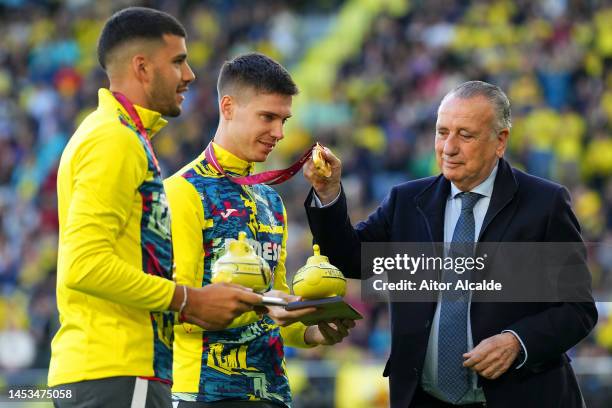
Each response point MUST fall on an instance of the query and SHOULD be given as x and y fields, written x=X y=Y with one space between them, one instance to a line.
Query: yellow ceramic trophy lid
x=317 y=257
x=240 y=247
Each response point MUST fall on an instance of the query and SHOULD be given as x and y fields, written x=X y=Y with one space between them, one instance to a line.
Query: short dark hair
x=256 y=71
x=135 y=23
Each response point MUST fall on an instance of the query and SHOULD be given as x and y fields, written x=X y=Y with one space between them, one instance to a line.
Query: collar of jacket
x=151 y=120
x=432 y=200
x=230 y=162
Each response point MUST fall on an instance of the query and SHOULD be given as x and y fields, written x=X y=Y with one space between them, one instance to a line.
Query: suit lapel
x=504 y=190
x=432 y=204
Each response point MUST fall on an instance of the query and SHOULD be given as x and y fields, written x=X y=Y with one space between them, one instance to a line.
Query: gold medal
x=321 y=166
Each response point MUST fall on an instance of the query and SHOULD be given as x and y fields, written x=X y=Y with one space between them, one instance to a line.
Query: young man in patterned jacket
x=243 y=365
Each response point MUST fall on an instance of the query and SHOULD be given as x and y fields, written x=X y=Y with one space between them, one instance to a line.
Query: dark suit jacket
x=523 y=208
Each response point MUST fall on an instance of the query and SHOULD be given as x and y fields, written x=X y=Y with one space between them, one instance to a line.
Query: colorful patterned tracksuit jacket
x=245 y=361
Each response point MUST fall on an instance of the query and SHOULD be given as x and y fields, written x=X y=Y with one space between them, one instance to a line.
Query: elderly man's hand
x=493 y=356
x=327 y=334
x=327 y=188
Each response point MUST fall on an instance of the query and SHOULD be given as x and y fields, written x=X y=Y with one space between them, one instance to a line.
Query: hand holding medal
x=322 y=167
x=323 y=172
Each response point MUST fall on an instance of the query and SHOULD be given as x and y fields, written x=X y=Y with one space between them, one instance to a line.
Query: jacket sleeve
x=332 y=229
x=551 y=332
x=107 y=169
x=293 y=335
x=187 y=217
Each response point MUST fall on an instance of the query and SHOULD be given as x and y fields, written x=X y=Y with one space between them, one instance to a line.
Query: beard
x=163 y=99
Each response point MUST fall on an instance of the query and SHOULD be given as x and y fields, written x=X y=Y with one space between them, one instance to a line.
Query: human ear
x=141 y=67
x=502 y=139
x=226 y=107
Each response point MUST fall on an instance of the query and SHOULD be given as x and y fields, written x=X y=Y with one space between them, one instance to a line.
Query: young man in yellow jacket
x=242 y=366
x=115 y=291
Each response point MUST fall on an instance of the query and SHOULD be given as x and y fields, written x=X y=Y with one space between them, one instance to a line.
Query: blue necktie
x=453 y=378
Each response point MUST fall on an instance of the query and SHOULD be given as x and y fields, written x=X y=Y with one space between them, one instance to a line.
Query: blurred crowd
x=552 y=57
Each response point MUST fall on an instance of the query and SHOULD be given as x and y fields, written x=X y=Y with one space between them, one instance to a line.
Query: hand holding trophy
x=240 y=265
x=321 y=284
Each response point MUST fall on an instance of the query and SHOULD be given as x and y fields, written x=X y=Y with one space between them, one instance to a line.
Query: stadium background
x=371 y=74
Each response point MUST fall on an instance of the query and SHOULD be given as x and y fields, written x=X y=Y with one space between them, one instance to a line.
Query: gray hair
x=493 y=93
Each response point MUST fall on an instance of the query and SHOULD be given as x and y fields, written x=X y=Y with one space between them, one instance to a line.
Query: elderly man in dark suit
x=470 y=354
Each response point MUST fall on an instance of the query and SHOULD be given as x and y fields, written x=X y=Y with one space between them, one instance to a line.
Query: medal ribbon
x=270 y=177
x=129 y=107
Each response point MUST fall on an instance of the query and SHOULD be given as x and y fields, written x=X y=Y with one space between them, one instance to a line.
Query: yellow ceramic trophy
x=318 y=278
x=322 y=285
x=242 y=266
x=318 y=283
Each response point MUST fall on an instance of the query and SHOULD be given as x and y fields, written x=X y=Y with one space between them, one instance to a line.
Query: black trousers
x=116 y=392
x=422 y=399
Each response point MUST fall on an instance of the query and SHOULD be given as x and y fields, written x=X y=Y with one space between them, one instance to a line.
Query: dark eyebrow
x=273 y=114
